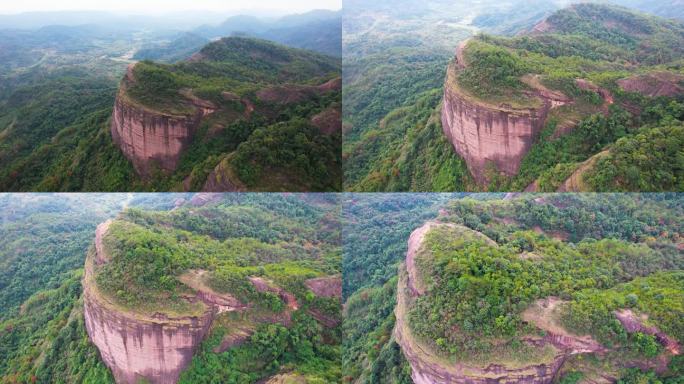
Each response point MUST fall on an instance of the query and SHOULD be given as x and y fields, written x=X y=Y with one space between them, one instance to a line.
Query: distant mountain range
x=319 y=31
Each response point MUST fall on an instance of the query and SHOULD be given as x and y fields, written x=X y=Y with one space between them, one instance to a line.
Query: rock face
x=294 y=93
x=151 y=138
x=427 y=367
x=155 y=348
x=654 y=84
x=330 y=286
x=632 y=323
x=498 y=134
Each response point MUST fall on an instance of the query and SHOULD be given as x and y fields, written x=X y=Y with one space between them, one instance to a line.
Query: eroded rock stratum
x=149 y=138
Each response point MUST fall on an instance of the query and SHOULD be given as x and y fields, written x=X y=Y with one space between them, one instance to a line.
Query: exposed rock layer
x=654 y=84
x=155 y=348
x=482 y=133
x=151 y=139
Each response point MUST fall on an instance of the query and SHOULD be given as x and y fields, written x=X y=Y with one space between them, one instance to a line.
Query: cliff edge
x=149 y=138
x=431 y=367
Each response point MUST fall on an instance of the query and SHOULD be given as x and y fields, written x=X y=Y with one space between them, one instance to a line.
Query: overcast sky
x=166 y=6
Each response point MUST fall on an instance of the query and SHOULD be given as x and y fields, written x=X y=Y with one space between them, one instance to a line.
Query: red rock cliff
x=156 y=348
x=151 y=138
x=482 y=133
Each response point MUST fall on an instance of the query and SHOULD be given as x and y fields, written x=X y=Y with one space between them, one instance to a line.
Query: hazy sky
x=166 y=6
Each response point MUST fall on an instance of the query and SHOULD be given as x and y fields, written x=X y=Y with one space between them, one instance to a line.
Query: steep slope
x=178 y=121
x=528 y=308
x=158 y=287
x=156 y=348
x=501 y=93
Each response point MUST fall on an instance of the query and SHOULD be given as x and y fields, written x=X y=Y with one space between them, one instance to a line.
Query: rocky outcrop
x=329 y=286
x=295 y=93
x=205 y=198
x=484 y=133
x=153 y=139
x=223 y=179
x=544 y=315
x=134 y=346
x=100 y=253
x=429 y=367
x=633 y=323
x=654 y=84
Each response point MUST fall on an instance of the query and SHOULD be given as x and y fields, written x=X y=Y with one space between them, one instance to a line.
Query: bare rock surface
x=329 y=286
x=152 y=139
x=100 y=254
x=544 y=315
x=654 y=84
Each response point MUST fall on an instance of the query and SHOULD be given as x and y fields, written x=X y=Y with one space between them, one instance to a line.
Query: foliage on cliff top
x=477 y=292
x=238 y=65
x=283 y=239
x=597 y=42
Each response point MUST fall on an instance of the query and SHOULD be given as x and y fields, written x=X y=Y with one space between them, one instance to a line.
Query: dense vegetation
x=587 y=249
x=44 y=238
x=47 y=341
x=303 y=348
x=614 y=253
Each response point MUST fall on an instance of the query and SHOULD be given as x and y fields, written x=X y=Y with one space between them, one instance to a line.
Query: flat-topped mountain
x=531 y=304
x=225 y=119
x=157 y=285
x=537 y=105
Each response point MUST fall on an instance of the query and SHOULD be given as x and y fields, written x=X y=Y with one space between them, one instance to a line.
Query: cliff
x=156 y=347
x=484 y=133
x=430 y=367
x=149 y=138
x=136 y=346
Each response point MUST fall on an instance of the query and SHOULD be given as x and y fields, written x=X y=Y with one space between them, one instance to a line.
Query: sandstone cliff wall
x=156 y=348
x=483 y=133
x=150 y=138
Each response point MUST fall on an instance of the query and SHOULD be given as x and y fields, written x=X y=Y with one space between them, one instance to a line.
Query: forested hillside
x=615 y=79
x=59 y=90
x=599 y=253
